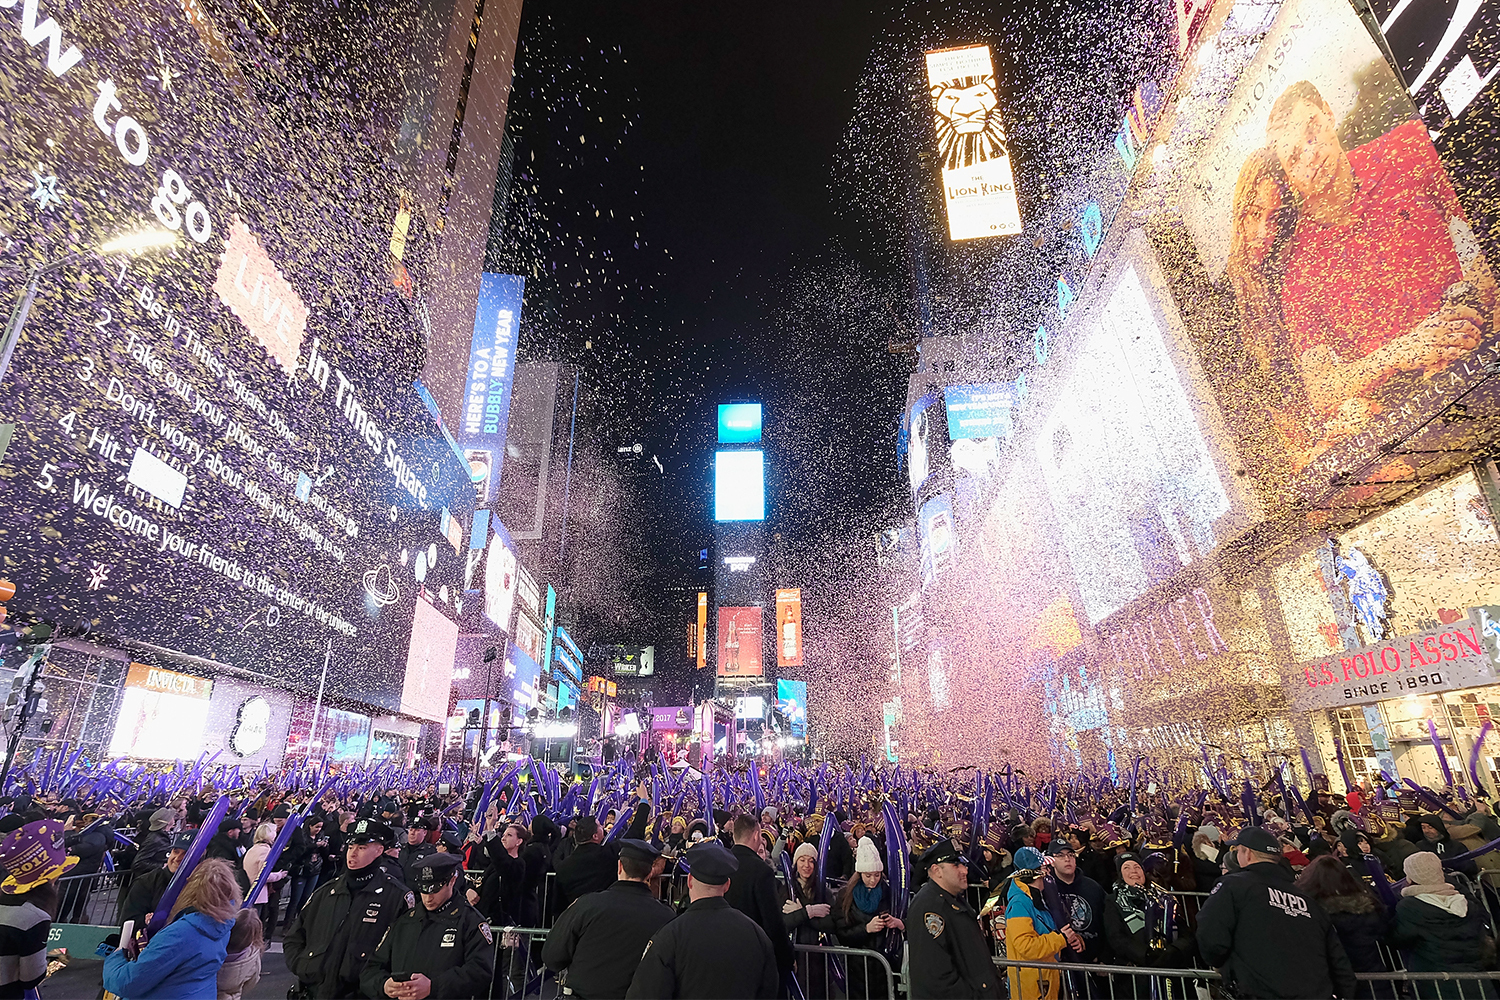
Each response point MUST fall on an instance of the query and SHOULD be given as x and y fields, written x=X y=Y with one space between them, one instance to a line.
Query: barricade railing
x=1123 y=982
x=519 y=972
x=830 y=972
x=824 y=972
x=91 y=899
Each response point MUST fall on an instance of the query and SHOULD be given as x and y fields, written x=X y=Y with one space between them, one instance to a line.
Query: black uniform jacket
x=948 y=955
x=1270 y=939
x=335 y=933
x=711 y=952
x=452 y=946
x=752 y=891
x=600 y=939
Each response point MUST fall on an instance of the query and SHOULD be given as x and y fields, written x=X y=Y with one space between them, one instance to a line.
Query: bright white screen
x=158 y=725
x=739 y=486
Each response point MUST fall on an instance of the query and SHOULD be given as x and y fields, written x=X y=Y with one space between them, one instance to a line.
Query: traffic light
x=473 y=720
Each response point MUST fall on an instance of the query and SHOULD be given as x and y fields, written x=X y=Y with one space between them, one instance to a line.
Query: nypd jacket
x=601 y=937
x=337 y=930
x=948 y=954
x=452 y=946
x=1270 y=939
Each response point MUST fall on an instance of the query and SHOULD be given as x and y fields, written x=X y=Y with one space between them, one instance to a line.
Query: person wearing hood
x=1437 y=840
x=1358 y=916
x=1208 y=853
x=242 y=963
x=1354 y=850
x=183 y=958
x=1439 y=928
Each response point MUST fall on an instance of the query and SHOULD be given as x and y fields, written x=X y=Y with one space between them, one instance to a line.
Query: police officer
x=331 y=938
x=416 y=847
x=712 y=949
x=948 y=956
x=441 y=949
x=600 y=938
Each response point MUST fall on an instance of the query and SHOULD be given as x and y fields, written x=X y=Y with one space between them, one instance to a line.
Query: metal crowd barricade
x=519 y=972
x=833 y=972
x=91 y=899
x=1121 y=982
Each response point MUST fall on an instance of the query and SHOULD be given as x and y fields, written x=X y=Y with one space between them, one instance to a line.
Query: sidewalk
x=82 y=979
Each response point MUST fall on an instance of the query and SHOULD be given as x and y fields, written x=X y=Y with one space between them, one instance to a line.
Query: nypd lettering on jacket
x=1291 y=905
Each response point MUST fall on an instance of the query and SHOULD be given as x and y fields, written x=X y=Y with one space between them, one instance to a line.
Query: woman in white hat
x=862 y=911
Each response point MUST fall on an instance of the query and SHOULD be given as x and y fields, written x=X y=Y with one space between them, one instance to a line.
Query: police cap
x=372 y=831
x=710 y=863
x=942 y=851
x=638 y=850
x=431 y=873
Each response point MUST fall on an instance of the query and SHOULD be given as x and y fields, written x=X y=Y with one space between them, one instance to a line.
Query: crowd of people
x=642 y=884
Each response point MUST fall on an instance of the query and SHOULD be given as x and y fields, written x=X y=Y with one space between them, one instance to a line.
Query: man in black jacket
x=591 y=866
x=753 y=892
x=1270 y=939
x=333 y=936
x=948 y=954
x=601 y=937
x=712 y=949
x=147 y=889
x=440 y=949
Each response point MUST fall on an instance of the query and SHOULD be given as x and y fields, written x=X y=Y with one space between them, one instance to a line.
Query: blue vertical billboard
x=492 y=368
x=791 y=701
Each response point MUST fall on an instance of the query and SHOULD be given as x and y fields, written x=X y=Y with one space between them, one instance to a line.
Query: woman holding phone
x=862 y=914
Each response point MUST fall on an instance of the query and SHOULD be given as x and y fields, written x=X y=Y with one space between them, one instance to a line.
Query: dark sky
x=709 y=131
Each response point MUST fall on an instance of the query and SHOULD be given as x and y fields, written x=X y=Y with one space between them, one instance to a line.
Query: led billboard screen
x=739 y=642
x=979 y=411
x=162 y=714
x=739 y=423
x=1136 y=494
x=429 y=663
x=215 y=450
x=973 y=151
x=789 y=628
x=791 y=700
x=739 y=486
x=492 y=369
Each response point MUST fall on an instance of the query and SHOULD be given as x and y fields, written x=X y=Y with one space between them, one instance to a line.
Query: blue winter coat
x=181 y=962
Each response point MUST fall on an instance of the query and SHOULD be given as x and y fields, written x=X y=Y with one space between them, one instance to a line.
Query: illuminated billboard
x=972 y=148
x=739 y=642
x=162 y=714
x=231 y=462
x=789 y=628
x=739 y=423
x=500 y=579
x=1318 y=174
x=791 y=701
x=492 y=369
x=926 y=440
x=524 y=677
x=979 y=411
x=429 y=663
x=936 y=537
x=1135 y=491
x=739 y=486
x=702 y=653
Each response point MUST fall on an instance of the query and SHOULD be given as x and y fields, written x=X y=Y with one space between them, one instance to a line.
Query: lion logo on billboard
x=966 y=114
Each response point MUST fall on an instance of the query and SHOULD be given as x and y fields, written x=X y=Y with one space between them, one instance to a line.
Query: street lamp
x=148 y=239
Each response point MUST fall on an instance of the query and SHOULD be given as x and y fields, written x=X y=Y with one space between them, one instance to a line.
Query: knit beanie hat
x=805 y=851
x=1424 y=868
x=867 y=858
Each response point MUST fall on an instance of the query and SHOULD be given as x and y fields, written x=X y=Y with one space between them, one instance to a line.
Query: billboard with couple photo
x=1360 y=305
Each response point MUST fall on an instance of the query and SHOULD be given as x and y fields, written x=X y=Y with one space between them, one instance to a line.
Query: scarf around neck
x=868 y=900
x=1132 y=901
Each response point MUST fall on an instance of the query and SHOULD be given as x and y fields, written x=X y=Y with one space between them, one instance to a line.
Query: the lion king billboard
x=978 y=187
